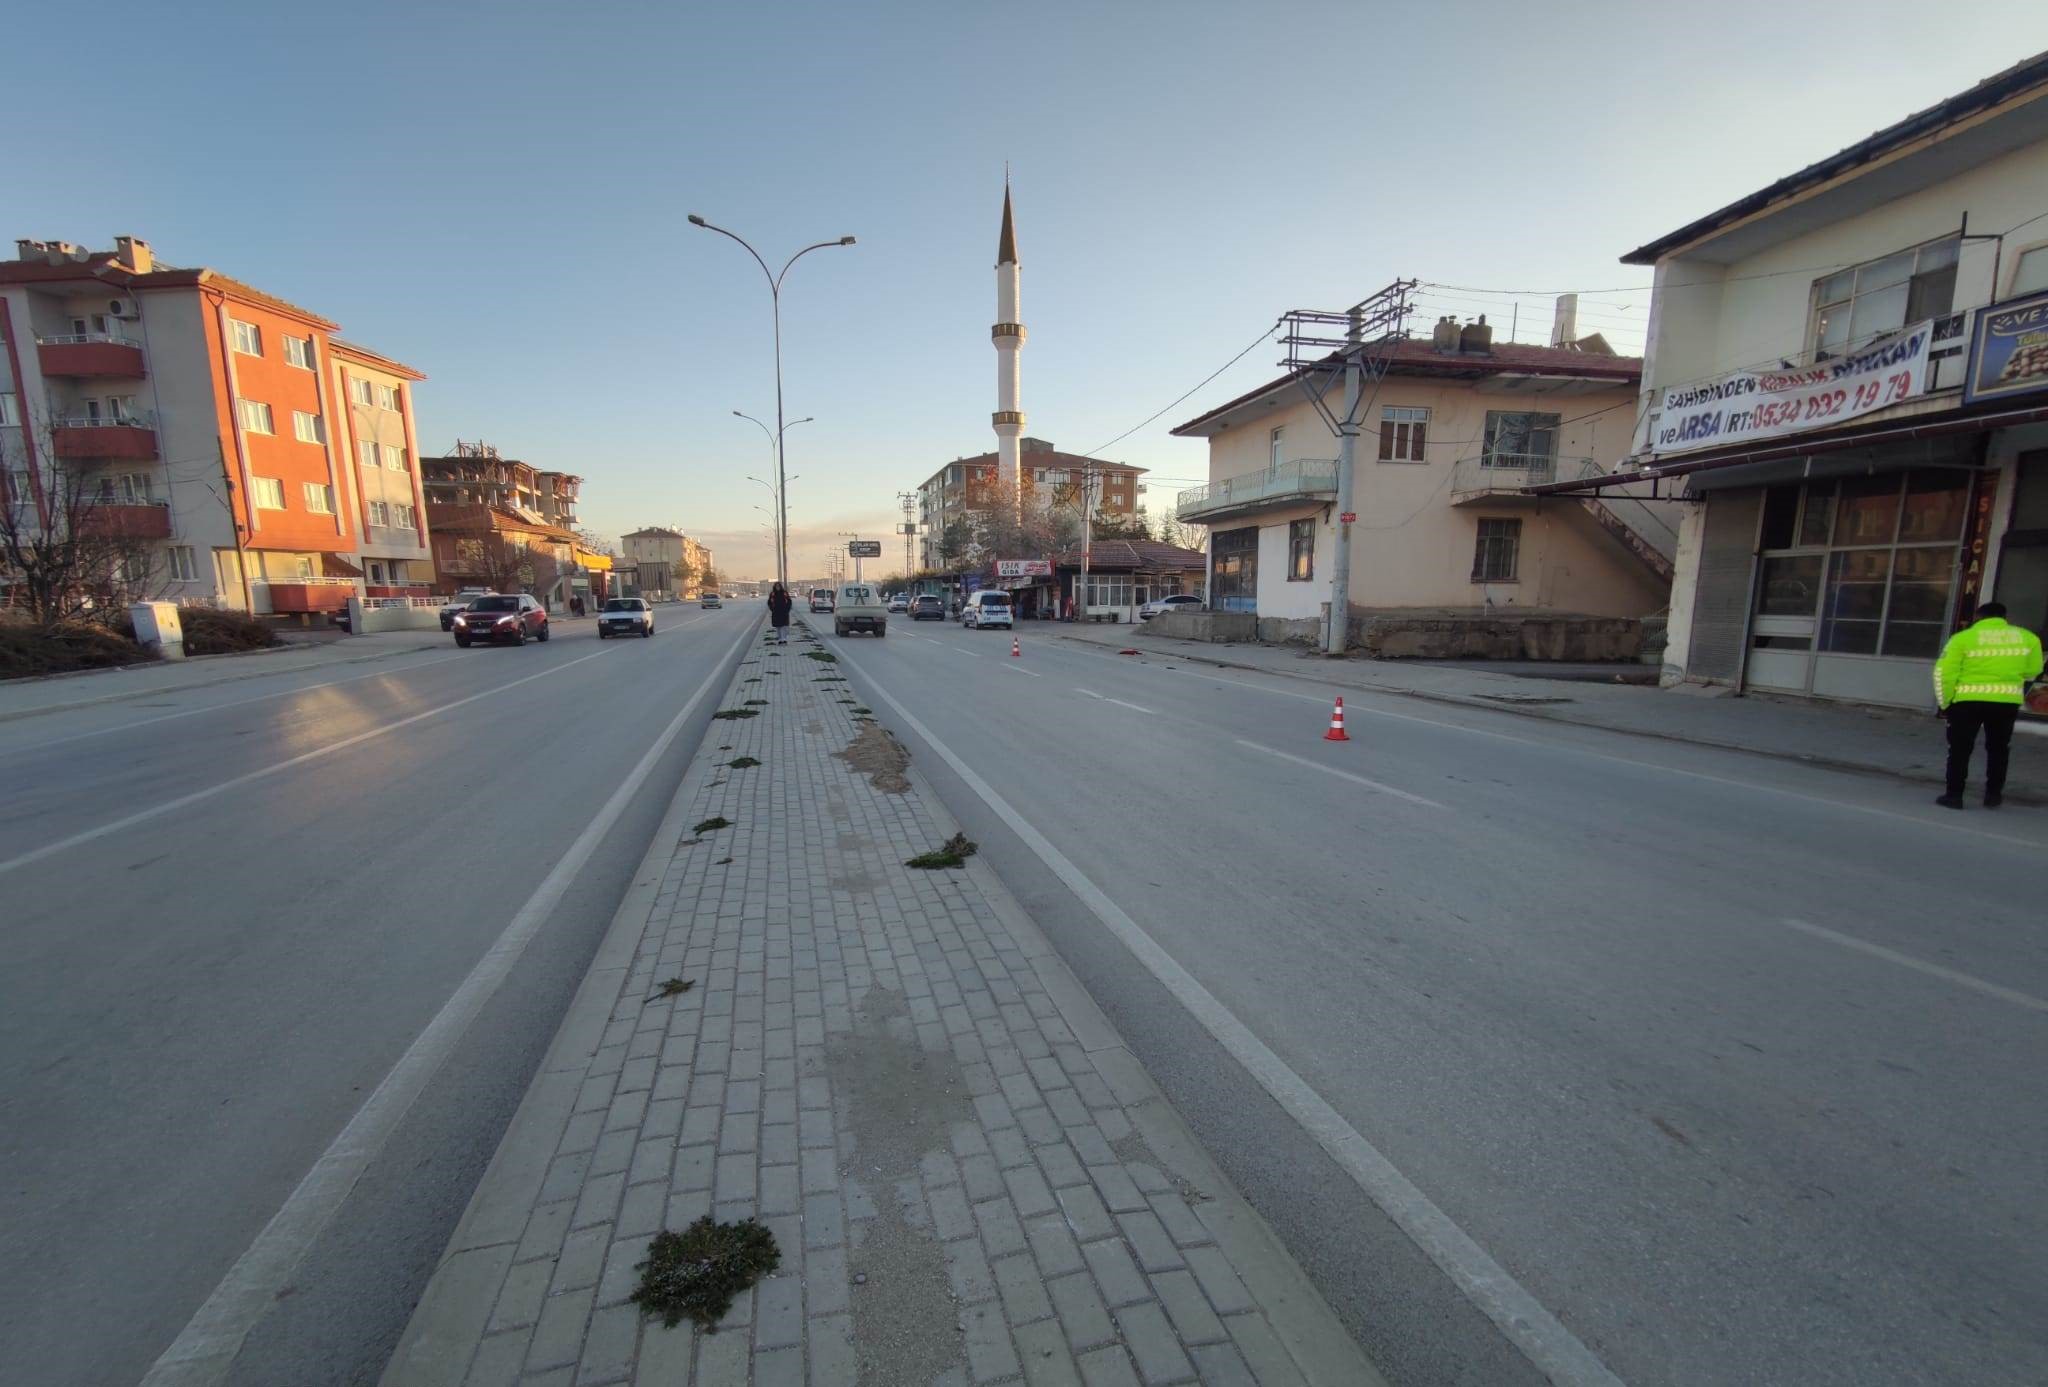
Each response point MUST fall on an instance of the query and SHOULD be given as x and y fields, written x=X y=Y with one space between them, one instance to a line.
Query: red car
x=502 y=618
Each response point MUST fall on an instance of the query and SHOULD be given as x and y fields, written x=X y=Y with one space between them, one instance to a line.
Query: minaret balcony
x=1007 y=416
x=1002 y=330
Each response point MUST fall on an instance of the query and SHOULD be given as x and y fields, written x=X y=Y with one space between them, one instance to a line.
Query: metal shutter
x=1720 y=608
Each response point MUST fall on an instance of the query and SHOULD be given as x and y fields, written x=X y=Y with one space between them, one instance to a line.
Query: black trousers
x=1964 y=720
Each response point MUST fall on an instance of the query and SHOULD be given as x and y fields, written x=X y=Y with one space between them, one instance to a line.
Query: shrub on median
x=61 y=649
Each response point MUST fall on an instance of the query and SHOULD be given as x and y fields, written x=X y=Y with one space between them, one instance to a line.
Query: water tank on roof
x=1477 y=337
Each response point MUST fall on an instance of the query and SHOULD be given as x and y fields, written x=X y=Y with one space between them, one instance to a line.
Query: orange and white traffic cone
x=1016 y=648
x=1336 y=732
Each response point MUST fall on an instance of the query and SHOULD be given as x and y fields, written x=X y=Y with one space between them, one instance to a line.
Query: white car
x=821 y=599
x=899 y=604
x=710 y=600
x=625 y=616
x=1179 y=601
x=985 y=609
x=459 y=603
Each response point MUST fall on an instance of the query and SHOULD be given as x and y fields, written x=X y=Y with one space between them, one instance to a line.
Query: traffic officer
x=1979 y=682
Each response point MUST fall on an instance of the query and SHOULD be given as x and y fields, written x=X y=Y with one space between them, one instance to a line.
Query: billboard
x=1748 y=405
x=864 y=548
x=2009 y=350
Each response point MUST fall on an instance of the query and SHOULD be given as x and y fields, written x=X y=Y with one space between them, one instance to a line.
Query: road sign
x=1349 y=517
x=864 y=548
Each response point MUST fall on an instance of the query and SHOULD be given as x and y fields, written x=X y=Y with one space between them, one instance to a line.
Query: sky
x=499 y=196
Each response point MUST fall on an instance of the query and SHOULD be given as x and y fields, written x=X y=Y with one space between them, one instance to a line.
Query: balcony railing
x=1304 y=479
x=128 y=519
x=131 y=438
x=90 y=354
x=1494 y=474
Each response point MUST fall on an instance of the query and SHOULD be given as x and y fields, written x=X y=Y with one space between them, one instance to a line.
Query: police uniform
x=1979 y=682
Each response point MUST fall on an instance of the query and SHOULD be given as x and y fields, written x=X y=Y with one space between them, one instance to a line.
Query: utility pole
x=1338 y=627
x=908 y=500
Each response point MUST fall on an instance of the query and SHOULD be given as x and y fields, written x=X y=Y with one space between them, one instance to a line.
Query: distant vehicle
x=899 y=603
x=709 y=600
x=858 y=607
x=1179 y=601
x=625 y=616
x=821 y=599
x=927 y=607
x=459 y=603
x=501 y=617
x=985 y=609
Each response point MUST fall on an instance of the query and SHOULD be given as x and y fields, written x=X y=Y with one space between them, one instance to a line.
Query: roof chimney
x=1564 y=324
x=1476 y=338
x=135 y=254
x=1444 y=337
x=26 y=249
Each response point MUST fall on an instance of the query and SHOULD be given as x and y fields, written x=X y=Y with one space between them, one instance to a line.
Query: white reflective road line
x=1520 y=1317
x=1932 y=970
x=1019 y=669
x=206 y=1349
x=1117 y=701
x=1342 y=775
x=182 y=801
x=1090 y=692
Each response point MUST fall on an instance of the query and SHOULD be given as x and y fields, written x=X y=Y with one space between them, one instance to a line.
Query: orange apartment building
x=217 y=423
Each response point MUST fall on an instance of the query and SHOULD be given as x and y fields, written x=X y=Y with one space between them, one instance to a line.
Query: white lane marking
x=1132 y=706
x=1342 y=775
x=1364 y=709
x=1019 y=669
x=182 y=801
x=1932 y=970
x=206 y=1348
x=1554 y=1349
x=1090 y=692
x=970 y=654
x=238 y=703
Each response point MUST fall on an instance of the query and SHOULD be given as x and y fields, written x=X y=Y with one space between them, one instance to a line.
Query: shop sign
x=1750 y=405
x=2009 y=350
x=1976 y=540
x=1024 y=568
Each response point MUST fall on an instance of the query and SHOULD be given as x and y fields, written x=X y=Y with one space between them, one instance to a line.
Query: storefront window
x=1935 y=505
x=1869 y=512
x=1790 y=585
x=1817 y=515
x=1920 y=587
x=1234 y=555
x=1853 y=607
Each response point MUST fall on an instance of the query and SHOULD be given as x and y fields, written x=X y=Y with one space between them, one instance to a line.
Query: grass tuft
x=729 y=713
x=740 y=763
x=674 y=987
x=707 y=825
x=697 y=1272
x=954 y=852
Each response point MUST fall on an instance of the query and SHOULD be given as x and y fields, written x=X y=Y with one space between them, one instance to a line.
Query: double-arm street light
x=775 y=301
x=774 y=453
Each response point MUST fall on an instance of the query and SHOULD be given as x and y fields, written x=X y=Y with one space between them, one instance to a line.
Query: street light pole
x=775 y=304
x=775 y=490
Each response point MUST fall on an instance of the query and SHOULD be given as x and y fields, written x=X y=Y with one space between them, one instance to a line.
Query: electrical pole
x=1339 y=625
x=908 y=499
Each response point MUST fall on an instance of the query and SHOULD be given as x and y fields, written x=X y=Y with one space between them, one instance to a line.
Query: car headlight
x=461 y=620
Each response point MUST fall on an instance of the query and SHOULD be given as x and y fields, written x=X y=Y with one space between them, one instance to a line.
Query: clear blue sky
x=497 y=195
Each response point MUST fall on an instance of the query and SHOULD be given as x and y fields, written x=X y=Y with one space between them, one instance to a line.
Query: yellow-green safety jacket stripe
x=1989 y=662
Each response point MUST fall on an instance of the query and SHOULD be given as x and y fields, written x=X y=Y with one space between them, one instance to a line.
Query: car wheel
x=881 y=630
x=603 y=634
x=545 y=631
x=519 y=635
x=462 y=641
x=648 y=632
x=837 y=629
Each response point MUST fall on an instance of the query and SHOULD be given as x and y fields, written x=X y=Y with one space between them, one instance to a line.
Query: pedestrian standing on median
x=778 y=613
x=1979 y=683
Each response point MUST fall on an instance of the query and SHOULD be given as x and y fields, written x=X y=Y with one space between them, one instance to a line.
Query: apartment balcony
x=298 y=596
x=1496 y=477
x=90 y=356
x=128 y=520
x=1302 y=481
x=111 y=440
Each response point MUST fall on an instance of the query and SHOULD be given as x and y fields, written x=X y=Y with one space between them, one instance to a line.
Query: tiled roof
x=378 y=359
x=101 y=268
x=460 y=516
x=1416 y=357
x=1139 y=555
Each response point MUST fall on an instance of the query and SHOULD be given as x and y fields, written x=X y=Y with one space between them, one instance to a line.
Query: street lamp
x=774 y=452
x=775 y=302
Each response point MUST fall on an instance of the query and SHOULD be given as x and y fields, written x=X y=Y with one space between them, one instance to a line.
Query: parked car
x=858 y=607
x=898 y=603
x=985 y=609
x=710 y=600
x=821 y=599
x=1177 y=602
x=927 y=607
x=460 y=603
x=501 y=617
x=625 y=616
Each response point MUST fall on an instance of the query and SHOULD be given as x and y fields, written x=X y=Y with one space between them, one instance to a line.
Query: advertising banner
x=1750 y=405
x=864 y=548
x=1024 y=568
x=2009 y=350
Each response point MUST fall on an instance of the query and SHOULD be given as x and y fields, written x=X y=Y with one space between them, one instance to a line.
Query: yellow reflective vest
x=1989 y=662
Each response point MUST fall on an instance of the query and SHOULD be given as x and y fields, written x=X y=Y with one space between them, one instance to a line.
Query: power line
x=1092 y=452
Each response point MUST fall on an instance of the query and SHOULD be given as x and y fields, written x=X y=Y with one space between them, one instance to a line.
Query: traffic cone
x=1336 y=732
x=1016 y=648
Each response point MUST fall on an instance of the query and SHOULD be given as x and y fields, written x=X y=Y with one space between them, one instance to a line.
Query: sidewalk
x=21 y=698
x=1899 y=743
x=967 y=1176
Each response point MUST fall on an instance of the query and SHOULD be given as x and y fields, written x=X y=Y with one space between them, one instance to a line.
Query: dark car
x=625 y=616
x=926 y=607
x=501 y=618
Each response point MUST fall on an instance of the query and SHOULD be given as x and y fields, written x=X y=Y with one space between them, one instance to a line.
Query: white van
x=986 y=608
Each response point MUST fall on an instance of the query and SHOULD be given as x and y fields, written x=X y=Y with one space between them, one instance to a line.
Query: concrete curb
x=1832 y=763
x=1314 y=1338
x=234 y=678
x=448 y=1322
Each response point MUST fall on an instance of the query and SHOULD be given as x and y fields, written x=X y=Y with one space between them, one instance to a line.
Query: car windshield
x=625 y=604
x=495 y=604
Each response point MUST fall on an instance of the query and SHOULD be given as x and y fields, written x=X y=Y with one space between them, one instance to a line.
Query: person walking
x=1979 y=683
x=778 y=613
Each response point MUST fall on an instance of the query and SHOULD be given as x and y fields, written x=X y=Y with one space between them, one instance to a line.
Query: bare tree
x=1175 y=531
x=69 y=548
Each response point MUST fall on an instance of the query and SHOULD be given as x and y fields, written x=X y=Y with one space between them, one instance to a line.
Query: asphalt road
x=1732 y=1065
x=227 y=913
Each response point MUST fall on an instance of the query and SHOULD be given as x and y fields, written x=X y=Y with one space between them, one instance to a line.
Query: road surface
x=1731 y=1066
x=199 y=996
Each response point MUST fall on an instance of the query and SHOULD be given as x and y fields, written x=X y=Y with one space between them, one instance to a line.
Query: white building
x=1847 y=371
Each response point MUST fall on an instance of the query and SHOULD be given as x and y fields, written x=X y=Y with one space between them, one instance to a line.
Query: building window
x=308 y=428
x=1518 y=438
x=267 y=492
x=1109 y=589
x=181 y=566
x=387 y=397
x=248 y=337
x=126 y=489
x=10 y=408
x=255 y=416
x=319 y=498
x=298 y=351
x=380 y=513
x=2029 y=271
x=1852 y=306
x=361 y=392
x=1301 y=550
x=366 y=452
x=406 y=516
x=305 y=564
x=396 y=459
x=1274 y=441
x=1234 y=567
x=1500 y=543
x=1404 y=433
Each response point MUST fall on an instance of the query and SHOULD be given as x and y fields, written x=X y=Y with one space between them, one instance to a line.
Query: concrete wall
x=368 y=621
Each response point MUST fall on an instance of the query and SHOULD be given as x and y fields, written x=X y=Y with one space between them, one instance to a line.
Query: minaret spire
x=1008 y=335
